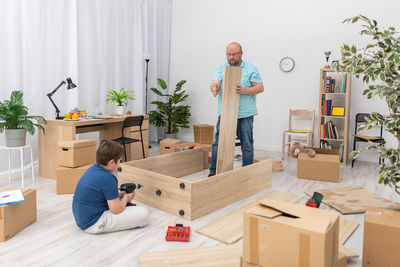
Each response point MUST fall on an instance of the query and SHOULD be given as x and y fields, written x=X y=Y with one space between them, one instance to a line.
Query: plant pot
x=171 y=135
x=15 y=137
x=120 y=110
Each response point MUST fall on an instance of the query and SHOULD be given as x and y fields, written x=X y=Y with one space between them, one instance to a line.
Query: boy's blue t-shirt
x=96 y=186
x=247 y=103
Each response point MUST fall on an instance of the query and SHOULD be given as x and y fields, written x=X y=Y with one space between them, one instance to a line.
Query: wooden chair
x=131 y=121
x=304 y=135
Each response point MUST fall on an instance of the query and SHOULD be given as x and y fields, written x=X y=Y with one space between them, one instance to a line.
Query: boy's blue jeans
x=245 y=133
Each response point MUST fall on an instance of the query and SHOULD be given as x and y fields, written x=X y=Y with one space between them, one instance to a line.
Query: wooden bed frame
x=162 y=188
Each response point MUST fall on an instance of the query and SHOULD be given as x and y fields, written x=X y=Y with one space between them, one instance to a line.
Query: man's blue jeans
x=245 y=133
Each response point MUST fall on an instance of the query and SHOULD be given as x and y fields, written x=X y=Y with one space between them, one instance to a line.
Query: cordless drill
x=129 y=187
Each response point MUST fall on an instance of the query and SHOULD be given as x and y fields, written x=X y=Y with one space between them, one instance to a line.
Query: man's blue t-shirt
x=96 y=186
x=247 y=103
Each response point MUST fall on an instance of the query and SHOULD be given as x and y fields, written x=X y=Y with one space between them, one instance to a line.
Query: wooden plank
x=172 y=197
x=228 y=121
x=347 y=252
x=229 y=228
x=223 y=256
x=353 y=199
x=276 y=163
x=222 y=189
x=346 y=228
x=173 y=164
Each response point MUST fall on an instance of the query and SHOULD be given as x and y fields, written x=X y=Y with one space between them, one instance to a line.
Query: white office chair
x=304 y=135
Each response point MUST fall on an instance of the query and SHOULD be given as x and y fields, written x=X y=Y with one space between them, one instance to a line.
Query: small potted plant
x=121 y=98
x=172 y=113
x=15 y=121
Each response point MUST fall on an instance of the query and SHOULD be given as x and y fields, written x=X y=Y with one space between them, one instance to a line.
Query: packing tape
x=253 y=239
x=304 y=253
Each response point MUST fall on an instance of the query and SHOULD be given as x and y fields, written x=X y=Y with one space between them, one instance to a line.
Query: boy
x=97 y=206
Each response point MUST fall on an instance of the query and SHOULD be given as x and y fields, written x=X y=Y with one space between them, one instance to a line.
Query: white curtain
x=98 y=43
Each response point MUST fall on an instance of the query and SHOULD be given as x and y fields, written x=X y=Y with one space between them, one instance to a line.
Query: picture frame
x=337 y=111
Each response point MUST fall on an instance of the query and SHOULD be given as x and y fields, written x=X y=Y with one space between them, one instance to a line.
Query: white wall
x=268 y=31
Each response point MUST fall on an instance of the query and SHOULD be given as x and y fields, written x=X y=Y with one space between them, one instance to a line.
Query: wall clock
x=286 y=64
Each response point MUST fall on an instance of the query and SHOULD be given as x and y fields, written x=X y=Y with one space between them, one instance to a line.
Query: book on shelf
x=341 y=152
x=343 y=87
x=329 y=130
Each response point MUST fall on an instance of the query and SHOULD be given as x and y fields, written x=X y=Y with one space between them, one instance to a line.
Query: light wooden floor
x=55 y=240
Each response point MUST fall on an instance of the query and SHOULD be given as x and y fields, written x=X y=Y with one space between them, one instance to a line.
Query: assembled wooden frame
x=162 y=188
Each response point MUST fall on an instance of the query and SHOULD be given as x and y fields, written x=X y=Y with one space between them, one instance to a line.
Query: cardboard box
x=277 y=233
x=381 y=237
x=167 y=145
x=68 y=178
x=325 y=166
x=76 y=153
x=203 y=133
x=15 y=217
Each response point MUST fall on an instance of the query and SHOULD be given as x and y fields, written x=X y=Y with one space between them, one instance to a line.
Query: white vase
x=120 y=110
x=15 y=137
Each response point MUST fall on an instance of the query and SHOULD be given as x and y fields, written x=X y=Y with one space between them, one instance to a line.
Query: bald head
x=234 y=45
x=234 y=54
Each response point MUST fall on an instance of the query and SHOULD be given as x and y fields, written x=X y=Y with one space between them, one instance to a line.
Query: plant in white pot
x=15 y=121
x=121 y=98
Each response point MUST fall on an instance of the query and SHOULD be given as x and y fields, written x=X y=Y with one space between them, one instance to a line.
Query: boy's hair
x=107 y=151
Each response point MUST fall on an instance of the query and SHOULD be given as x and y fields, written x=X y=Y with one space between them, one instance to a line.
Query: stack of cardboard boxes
x=74 y=158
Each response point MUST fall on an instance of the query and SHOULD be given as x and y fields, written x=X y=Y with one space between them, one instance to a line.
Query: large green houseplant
x=172 y=113
x=15 y=121
x=379 y=65
x=121 y=98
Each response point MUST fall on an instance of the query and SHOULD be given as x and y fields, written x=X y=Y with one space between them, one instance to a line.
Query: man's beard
x=234 y=62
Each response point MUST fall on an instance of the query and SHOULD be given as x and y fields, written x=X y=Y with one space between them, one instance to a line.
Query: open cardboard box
x=325 y=166
x=278 y=233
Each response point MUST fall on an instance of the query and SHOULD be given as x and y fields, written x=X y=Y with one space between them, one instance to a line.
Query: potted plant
x=121 y=98
x=172 y=113
x=15 y=121
x=379 y=65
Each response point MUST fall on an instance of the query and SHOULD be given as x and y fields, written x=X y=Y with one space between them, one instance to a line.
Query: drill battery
x=178 y=233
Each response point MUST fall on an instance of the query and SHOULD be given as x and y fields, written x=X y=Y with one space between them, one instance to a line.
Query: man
x=250 y=85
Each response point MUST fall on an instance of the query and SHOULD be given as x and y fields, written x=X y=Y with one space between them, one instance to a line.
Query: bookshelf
x=334 y=95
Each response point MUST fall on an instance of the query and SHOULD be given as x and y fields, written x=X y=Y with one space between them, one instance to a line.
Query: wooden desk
x=61 y=130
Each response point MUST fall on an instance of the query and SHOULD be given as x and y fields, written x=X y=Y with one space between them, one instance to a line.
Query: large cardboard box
x=381 y=237
x=203 y=133
x=68 y=178
x=76 y=153
x=15 y=217
x=325 y=166
x=167 y=145
x=277 y=233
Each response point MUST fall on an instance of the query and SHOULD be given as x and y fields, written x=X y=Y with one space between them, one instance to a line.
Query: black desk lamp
x=69 y=86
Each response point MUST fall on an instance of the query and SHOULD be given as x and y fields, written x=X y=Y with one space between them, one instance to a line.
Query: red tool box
x=178 y=233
